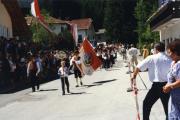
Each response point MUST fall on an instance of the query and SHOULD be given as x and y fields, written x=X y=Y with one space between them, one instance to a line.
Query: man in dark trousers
x=158 y=66
x=32 y=73
x=4 y=70
x=63 y=73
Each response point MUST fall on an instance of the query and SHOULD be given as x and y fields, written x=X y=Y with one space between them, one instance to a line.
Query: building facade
x=85 y=29
x=56 y=25
x=5 y=22
x=166 y=20
x=100 y=36
x=12 y=22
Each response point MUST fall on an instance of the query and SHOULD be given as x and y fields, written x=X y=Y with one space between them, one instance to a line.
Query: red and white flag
x=74 y=32
x=90 y=62
x=36 y=13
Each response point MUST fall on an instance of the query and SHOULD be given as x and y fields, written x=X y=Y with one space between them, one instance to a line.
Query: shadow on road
x=76 y=93
x=14 y=90
x=113 y=69
x=92 y=85
x=21 y=87
x=139 y=90
x=47 y=90
x=104 y=81
x=100 y=83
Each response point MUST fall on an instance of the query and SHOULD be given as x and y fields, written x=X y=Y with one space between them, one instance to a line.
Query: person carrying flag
x=78 y=72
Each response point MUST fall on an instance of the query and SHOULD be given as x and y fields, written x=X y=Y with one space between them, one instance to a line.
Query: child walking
x=63 y=73
x=78 y=73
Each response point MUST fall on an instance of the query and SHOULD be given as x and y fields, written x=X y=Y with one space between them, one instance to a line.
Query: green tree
x=65 y=41
x=93 y=9
x=129 y=22
x=113 y=20
x=40 y=35
x=47 y=5
x=143 y=11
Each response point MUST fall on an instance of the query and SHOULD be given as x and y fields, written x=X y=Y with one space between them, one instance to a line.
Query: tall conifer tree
x=113 y=20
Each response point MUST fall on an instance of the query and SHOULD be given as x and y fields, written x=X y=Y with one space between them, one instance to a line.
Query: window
x=79 y=38
x=62 y=29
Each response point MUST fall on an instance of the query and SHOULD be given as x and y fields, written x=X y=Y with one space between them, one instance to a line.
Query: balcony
x=166 y=16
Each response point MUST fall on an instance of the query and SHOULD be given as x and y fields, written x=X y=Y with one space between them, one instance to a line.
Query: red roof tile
x=50 y=20
x=82 y=23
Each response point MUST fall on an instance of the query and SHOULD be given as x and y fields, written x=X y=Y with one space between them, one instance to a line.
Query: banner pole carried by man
x=90 y=62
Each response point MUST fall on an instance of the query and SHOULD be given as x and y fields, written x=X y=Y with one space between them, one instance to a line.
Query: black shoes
x=37 y=87
x=129 y=89
x=68 y=91
x=81 y=83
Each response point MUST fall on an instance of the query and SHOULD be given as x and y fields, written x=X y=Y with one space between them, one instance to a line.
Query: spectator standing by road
x=145 y=51
x=4 y=70
x=106 y=59
x=158 y=66
x=12 y=70
x=152 y=49
x=173 y=85
x=133 y=56
x=123 y=52
x=32 y=72
x=38 y=62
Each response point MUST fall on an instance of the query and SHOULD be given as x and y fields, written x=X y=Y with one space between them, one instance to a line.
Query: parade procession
x=89 y=60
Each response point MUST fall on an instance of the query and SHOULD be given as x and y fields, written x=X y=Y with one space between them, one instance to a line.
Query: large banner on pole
x=90 y=62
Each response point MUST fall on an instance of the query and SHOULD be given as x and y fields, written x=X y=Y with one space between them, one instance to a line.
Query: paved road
x=103 y=97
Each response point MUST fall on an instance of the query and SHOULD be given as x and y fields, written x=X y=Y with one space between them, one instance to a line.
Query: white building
x=100 y=36
x=5 y=22
x=56 y=25
x=166 y=20
x=12 y=22
x=85 y=29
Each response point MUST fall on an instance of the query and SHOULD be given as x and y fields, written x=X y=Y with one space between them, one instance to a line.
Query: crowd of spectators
x=107 y=54
x=14 y=56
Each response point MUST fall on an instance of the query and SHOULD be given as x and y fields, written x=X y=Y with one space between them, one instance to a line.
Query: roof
x=166 y=16
x=50 y=20
x=82 y=23
x=55 y=21
x=19 y=25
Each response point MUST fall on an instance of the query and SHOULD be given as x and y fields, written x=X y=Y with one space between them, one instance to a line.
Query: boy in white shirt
x=63 y=73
